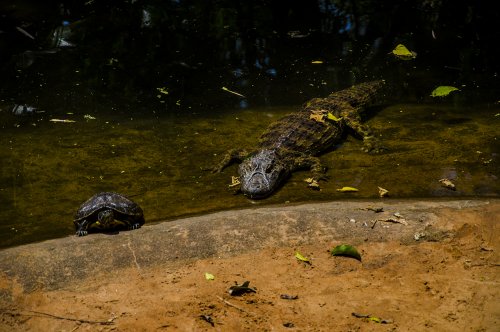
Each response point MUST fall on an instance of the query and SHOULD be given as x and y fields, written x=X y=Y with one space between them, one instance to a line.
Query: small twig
x=234 y=306
x=108 y=322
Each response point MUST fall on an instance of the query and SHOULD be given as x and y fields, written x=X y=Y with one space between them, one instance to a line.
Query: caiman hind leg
x=370 y=142
x=230 y=157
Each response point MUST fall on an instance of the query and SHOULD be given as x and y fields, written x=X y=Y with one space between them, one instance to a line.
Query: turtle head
x=105 y=219
x=261 y=174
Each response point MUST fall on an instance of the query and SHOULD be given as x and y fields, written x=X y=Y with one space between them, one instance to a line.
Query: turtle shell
x=125 y=210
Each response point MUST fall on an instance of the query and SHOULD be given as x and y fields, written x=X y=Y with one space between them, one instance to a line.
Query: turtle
x=108 y=211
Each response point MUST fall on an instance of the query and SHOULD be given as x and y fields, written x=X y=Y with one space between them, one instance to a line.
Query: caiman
x=294 y=141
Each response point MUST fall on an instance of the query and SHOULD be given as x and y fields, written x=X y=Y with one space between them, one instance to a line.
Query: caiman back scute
x=297 y=132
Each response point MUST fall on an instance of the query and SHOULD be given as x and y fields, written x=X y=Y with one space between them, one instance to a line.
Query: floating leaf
x=347 y=251
x=163 y=90
x=332 y=117
x=316 y=62
x=235 y=181
x=238 y=290
x=301 y=258
x=233 y=92
x=448 y=184
x=209 y=276
x=442 y=91
x=383 y=192
x=62 y=120
x=347 y=189
x=403 y=53
x=312 y=183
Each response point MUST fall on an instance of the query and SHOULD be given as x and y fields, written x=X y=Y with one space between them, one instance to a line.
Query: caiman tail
x=360 y=94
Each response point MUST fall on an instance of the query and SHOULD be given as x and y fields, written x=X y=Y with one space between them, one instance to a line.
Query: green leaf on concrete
x=301 y=258
x=346 y=250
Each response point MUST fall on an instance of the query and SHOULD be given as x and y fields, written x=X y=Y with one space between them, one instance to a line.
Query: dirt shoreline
x=154 y=278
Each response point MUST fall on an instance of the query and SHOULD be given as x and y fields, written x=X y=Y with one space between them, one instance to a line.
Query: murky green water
x=48 y=169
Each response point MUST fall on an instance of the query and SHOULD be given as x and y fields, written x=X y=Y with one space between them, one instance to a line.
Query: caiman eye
x=269 y=168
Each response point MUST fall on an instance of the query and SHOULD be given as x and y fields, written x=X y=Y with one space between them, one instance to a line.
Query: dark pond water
x=48 y=169
x=149 y=115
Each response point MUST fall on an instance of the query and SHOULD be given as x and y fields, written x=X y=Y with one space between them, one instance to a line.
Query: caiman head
x=262 y=173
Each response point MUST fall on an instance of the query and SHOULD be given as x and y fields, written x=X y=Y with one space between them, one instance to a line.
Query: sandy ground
x=447 y=282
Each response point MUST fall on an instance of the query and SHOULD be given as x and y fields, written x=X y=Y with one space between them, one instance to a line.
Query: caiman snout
x=257 y=187
x=261 y=174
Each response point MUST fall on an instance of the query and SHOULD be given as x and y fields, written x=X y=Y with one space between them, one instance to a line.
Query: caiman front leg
x=312 y=163
x=370 y=142
x=230 y=157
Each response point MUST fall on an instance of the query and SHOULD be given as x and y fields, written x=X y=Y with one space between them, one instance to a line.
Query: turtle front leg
x=134 y=226
x=81 y=229
x=230 y=157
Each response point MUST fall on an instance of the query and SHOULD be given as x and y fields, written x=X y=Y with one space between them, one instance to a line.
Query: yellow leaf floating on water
x=403 y=53
x=383 y=192
x=442 y=91
x=62 y=120
x=233 y=92
x=447 y=184
x=316 y=62
x=312 y=183
x=209 y=276
x=301 y=258
x=235 y=181
x=163 y=90
x=347 y=189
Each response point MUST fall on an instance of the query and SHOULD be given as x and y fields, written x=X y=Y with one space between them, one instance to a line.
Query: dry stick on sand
x=235 y=306
x=39 y=313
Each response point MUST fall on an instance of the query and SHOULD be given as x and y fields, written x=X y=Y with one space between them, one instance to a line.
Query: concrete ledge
x=56 y=263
